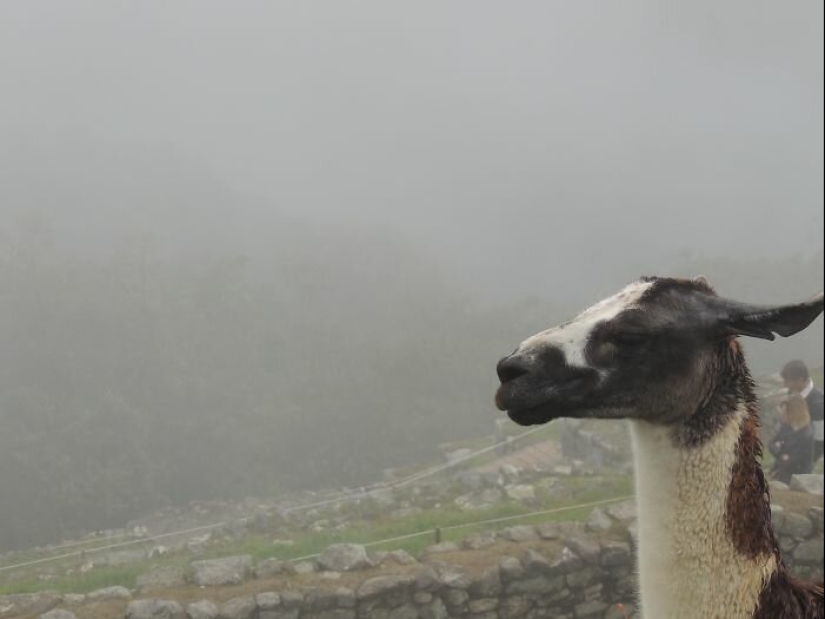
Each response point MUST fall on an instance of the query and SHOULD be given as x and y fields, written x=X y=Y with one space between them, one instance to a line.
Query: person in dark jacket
x=792 y=446
x=797 y=379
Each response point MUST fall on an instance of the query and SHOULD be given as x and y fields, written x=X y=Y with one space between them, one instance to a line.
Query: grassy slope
x=581 y=490
x=304 y=544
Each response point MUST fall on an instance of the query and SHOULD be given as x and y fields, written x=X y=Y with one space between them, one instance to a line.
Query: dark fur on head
x=672 y=358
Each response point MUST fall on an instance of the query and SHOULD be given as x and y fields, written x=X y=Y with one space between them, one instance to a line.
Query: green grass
x=79 y=583
x=580 y=490
x=310 y=543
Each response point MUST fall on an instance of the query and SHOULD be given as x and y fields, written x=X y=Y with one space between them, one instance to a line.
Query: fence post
x=437 y=535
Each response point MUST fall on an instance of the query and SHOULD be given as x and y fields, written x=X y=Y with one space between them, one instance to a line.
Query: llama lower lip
x=531 y=416
x=505 y=397
x=499 y=399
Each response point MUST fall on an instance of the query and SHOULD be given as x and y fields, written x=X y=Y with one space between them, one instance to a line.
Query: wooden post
x=437 y=535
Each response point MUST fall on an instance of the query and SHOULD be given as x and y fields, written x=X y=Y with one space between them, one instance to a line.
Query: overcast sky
x=530 y=146
x=318 y=224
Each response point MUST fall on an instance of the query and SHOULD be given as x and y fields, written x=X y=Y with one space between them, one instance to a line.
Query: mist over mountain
x=256 y=247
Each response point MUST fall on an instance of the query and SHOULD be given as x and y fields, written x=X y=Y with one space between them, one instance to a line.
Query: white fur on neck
x=688 y=566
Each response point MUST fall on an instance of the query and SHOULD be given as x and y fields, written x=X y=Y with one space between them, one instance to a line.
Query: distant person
x=792 y=446
x=776 y=444
x=798 y=380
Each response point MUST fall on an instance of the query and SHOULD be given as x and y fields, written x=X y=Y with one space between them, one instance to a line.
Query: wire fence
x=335 y=499
x=89 y=551
x=435 y=532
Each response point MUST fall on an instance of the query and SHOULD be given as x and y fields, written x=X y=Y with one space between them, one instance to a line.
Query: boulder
x=567 y=561
x=162 y=578
x=510 y=568
x=614 y=554
x=809 y=552
x=434 y=610
x=479 y=541
x=268 y=600
x=534 y=562
x=221 y=572
x=27 y=603
x=624 y=511
x=109 y=593
x=598 y=521
x=326 y=599
x=401 y=557
x=487 y=584
x=521 y=492
x=453 y=577
x=270 y=567
x=304 y=567
x=812 y=484
x=382 y=585
x=796 y=526
x=548 y=530
x=344 y=558
x=243 y=607
x=204 y=609
x=57 y=613
x=519 y=533
x=154 y=609
x=778 y=485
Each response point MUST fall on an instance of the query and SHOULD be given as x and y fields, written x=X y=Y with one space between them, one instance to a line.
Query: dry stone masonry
x=554 y=570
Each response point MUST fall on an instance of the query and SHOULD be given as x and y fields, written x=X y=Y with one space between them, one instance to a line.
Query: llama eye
x=628 y=338
x=605 y=353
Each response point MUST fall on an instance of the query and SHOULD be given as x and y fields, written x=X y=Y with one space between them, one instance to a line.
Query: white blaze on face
x=571 y=338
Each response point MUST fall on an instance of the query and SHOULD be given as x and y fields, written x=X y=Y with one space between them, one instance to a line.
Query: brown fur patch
x=748 y=517
x=786 y=597
x=748 y=511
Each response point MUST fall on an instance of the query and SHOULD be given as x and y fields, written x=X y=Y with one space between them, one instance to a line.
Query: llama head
x=648 y=352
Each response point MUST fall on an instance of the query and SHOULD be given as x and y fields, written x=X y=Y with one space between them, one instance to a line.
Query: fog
x=252 y=247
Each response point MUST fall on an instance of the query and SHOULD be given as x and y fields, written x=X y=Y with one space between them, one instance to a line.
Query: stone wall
x=800 y=540
x=561 y=570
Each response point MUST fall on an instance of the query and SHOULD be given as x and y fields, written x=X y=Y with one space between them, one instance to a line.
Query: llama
x=664 y=354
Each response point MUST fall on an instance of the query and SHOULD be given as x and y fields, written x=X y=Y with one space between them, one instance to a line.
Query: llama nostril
x=510 y=368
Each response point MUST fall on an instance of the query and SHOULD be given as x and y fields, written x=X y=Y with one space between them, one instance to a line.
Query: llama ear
x=763 y=322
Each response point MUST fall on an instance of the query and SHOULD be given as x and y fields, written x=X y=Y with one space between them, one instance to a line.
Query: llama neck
x=695 y=559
